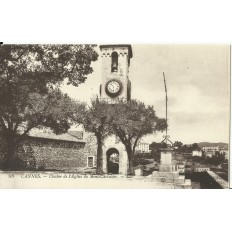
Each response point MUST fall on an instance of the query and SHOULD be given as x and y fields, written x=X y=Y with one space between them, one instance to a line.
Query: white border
x=165 y=21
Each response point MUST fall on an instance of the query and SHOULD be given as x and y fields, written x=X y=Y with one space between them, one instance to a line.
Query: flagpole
x=166 y=92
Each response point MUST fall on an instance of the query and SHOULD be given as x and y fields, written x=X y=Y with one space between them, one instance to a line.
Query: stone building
x=210 y=151
x=225 y=151
x=143 y=148
x=197 y=153
x=201 y=168
x=44 y=150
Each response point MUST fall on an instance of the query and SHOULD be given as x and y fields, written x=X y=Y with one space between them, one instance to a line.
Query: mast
x=166 y=93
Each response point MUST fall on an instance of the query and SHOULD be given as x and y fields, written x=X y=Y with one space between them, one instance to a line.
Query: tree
x=53 y=110
x=177 y=144
x=155 y=150
x=195 y=146
x=95 y=119
x=218 y=158
x=185 y=149
x=130 y=121
x=197 y=159
x=29 y=79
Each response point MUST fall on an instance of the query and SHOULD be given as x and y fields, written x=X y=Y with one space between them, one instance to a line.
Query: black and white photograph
x=114 y=116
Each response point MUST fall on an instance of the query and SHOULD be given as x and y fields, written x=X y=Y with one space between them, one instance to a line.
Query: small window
x=90 y=161
x=114 y=62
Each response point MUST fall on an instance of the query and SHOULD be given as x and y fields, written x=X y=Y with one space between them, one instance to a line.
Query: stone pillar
x=166 y=160
x=104 y=164
x=123 y=163
x=167 y=174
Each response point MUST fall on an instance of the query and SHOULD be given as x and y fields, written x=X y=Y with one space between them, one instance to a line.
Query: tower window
x=114 y=62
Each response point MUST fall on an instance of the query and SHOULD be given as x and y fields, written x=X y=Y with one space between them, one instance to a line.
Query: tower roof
x=119 y=45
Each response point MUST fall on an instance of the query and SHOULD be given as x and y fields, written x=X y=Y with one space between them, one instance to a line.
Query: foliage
x=29 y=79
x=46 y=64
x=217 y=159
x=155 y=150
x=195 y=147
x=130 y=121
x=95 y=119
x=177 y=144
x=188 y=148
x=197 y=159
x=141 y=161
x=156 y=146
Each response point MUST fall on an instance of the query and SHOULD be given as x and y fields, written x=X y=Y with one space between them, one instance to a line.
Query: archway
x=112 y=155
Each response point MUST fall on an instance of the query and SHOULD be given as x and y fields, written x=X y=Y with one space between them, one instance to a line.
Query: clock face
x=113 y=88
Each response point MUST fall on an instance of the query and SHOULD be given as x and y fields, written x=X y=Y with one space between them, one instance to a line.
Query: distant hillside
x=207 y=144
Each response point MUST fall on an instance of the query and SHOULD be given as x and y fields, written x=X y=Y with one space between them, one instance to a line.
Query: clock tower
x=115 y=84
x=115 y=87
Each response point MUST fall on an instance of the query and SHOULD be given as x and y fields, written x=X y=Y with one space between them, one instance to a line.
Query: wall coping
x=224 y=184
x=54 y=139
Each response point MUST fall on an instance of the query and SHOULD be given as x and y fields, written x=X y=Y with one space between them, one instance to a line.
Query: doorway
x=112 y=155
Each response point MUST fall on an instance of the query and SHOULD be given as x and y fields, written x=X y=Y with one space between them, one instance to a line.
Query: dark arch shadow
x=112 y=155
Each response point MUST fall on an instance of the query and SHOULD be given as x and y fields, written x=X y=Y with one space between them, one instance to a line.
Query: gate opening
x=112 y=161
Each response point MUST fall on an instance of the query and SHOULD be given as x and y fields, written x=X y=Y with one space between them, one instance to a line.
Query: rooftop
x=143 y=143
x=71 y=136
x=119 y=46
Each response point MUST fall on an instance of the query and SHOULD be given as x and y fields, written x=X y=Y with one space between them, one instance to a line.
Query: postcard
x=114 y=116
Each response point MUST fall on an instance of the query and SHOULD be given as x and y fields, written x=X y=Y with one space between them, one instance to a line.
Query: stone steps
x=171 y=177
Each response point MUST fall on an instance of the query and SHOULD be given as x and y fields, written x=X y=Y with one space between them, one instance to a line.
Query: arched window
x=114 y=62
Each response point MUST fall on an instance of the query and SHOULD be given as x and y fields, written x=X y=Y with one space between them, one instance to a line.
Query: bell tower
x=115 y=86
x=115 y=83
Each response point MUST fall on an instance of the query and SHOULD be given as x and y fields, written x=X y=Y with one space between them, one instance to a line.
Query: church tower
x=115 y=86
x=115 y=73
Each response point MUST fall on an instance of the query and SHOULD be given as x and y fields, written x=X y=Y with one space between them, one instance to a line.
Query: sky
x=197 y=79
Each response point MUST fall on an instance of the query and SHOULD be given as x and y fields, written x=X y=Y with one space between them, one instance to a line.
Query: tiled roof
x=201 y=166
x=143 y=143
x=74 y=136
x=77 y=134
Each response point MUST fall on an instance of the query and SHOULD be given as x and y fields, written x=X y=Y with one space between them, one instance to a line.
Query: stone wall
x=207 y=180
x=3 y=150
x=55 y=154
x=51 y=154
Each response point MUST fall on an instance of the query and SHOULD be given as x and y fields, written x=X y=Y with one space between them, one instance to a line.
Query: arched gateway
x=112 y=157
x=115 y=159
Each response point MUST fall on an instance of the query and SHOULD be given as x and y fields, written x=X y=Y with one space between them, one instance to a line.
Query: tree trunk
x=130 y=159
x=11 y=153
x=99 y=156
